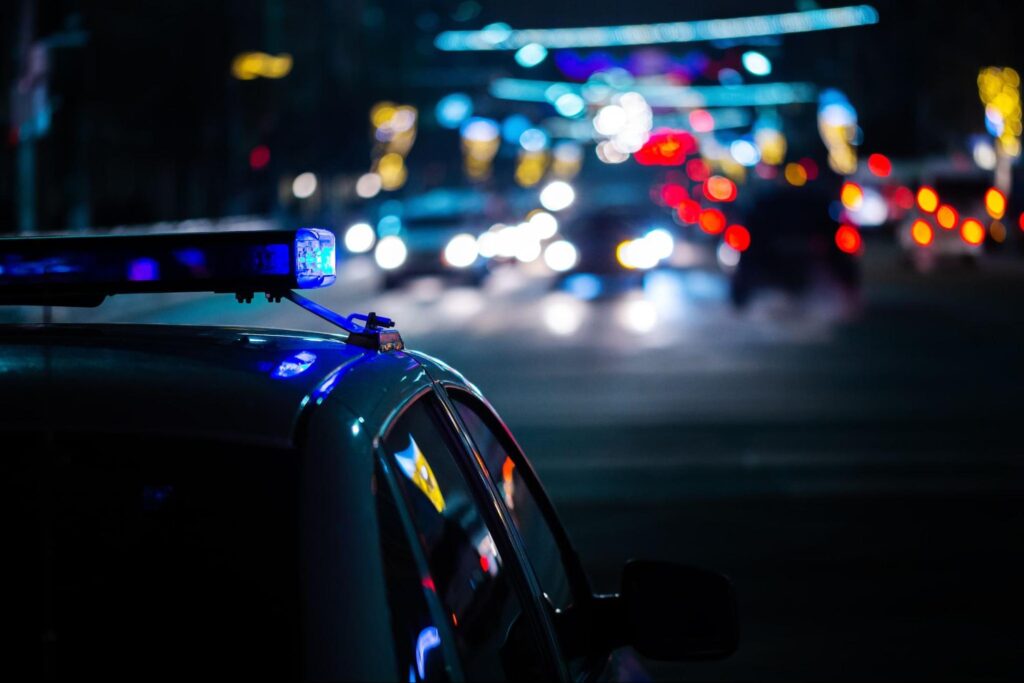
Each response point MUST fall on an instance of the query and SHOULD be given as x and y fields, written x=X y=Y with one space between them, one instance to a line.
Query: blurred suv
x=949 y=221
x=793 y=248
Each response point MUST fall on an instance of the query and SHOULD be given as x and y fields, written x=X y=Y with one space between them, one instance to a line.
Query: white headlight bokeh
x=561 y=256
x=543 y=225
x=360 y=238
x=461 y=251
x=391 y=252
x=304 y=185
x=661 y=243
x=638 y=315
x=557 y=195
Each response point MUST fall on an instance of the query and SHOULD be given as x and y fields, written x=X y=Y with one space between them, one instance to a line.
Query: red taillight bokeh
x=947 y=217
x=972 y=232
x=921 y=232
x=712 y=221
x=673 y=194
x=666 y=147
x=848 y=239
x=719 y=189
x=927 y=199
x=995 y=203
x=689 y=211
x=697 y=170
x=880 y=165
x=259 y=157
x=737 y=237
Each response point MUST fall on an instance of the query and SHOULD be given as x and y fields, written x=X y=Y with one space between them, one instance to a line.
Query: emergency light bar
x=82 y=271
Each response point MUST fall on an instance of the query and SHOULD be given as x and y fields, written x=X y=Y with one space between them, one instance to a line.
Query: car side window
x=469 y=574
x=416 y=635
x=500 y=457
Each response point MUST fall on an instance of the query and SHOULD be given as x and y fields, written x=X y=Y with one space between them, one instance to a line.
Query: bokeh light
x=921 y=232
x=848 y=239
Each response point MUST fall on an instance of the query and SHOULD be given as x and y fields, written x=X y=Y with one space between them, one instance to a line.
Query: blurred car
x=792 y=248
x=615 y=246
x=254 y=503
x=949 y=221
x=433 y=234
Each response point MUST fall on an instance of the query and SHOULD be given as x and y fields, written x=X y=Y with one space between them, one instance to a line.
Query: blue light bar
x=665 y=95
x=503 y=38
x=84 y=270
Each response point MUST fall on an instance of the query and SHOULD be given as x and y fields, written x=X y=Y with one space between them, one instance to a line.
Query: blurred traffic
x=765 y=253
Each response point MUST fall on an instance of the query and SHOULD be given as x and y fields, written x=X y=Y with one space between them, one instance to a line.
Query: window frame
x=494 y=515
x=577 y=577
x=579 y=582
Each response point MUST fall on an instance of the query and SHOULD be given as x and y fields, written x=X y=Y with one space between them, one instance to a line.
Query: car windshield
x=137 y=552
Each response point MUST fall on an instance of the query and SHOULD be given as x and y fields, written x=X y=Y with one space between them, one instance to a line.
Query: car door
x=549 y=551
x=476 y=579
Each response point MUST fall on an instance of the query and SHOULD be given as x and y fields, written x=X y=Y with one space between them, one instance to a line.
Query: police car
x=246 y=503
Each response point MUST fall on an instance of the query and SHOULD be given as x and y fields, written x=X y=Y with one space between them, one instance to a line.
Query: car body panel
x=218 y=383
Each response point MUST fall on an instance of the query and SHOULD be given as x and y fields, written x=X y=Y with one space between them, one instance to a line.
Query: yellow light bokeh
x=927 y=199
x=796 y=175
x=922 y=233
x=995 y=203
x=251 y=65
x=852 y=196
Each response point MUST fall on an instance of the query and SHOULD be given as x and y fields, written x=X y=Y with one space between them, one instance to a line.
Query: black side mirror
x=674 y=612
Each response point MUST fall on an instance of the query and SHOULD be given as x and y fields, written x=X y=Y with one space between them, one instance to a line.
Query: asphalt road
x=860 y=477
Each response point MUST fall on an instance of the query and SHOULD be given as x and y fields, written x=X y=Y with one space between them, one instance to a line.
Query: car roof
x=223 y=383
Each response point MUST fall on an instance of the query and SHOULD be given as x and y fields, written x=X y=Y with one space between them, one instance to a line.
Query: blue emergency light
x=84 y=270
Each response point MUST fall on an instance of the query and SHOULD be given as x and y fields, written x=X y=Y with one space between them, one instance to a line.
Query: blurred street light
x=304 y=185
x=557 y=195
x=249 y=66
x=503 y=37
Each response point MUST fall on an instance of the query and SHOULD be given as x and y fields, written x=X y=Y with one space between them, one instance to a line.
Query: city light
x=453 y=109
x=570 y=105
x=543 y=225
x=995 y=203
x=837 y=125
x=391 y=252
x=502 y=37
x=737 y=237
x=461 y=251
x=851 y=195
x=561 y=256
x=259 y=157
x=660 y=242
x=666 y=95
x=304 y=185
x=531 y=54
x=712 y=221
x=848 y=239
x=720 y=189
x=880 y=165
x=927 y=199
x=639 y=316
x=999 y=90
x=360 y=238
x=666 y=147
x=795 y=174
x=922 y=233
x=368 y=185
x=745 y=152
x=972 y=232
x=557 y=195
x=249 y=66
x=947 y=217
x=756 y=63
